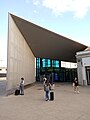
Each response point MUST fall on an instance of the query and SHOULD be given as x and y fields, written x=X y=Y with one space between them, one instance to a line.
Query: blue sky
x=70 y=18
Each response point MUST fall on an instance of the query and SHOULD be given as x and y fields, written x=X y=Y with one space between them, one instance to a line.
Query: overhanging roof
x=47 y=44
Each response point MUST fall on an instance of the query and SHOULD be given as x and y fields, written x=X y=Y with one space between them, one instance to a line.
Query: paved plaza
x=32 y=106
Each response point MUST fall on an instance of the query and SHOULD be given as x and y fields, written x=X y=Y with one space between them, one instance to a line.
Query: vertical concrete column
x=79 y=71
x=84 y=76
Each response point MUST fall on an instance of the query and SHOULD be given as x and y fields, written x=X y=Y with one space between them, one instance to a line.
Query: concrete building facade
x=83 y=67
x=21 y=61
x=27 y=41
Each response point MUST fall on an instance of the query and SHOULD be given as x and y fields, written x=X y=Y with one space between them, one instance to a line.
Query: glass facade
x=46 y=63
x=52 y=70
x=55 y=63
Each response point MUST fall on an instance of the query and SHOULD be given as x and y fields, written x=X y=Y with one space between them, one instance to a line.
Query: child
x=76 y=85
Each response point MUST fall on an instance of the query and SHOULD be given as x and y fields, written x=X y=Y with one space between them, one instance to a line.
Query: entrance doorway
x=88 y=75
x=53 y=71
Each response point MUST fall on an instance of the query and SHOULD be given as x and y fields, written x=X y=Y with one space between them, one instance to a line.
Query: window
x=38 y=62
x=55 y=63
x=46 y=63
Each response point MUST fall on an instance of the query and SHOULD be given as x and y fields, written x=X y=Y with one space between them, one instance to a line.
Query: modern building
x=27 y=42
x=83 y=63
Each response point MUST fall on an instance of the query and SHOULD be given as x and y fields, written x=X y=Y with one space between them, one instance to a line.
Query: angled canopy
x=47 y=44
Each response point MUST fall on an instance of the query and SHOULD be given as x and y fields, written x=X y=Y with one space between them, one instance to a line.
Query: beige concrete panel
x=84 y=76
x=80 y=78
x=21 y=61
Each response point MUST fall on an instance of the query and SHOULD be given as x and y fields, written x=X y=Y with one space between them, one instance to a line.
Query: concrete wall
x=21 y=61
x=86 y=61
x=79 y=71
x=82 y=75
x=83 y=61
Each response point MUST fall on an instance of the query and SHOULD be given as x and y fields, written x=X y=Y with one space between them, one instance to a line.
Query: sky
x=70 y=18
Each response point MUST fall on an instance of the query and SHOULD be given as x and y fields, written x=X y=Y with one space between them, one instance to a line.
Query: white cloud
x=78 y=7
x=36 y=12
x=36 y=2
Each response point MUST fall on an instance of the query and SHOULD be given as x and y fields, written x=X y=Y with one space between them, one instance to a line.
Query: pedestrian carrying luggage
x=51 y=95
x=17 y=92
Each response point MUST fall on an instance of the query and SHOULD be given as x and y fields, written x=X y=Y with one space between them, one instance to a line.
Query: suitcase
x=51 y=96
x=17 y=92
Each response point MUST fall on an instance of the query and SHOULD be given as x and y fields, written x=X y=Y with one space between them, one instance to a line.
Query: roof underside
x=46 y=44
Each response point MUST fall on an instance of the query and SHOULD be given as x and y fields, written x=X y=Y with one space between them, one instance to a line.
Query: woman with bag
x=47 y=88
x=22 y=86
